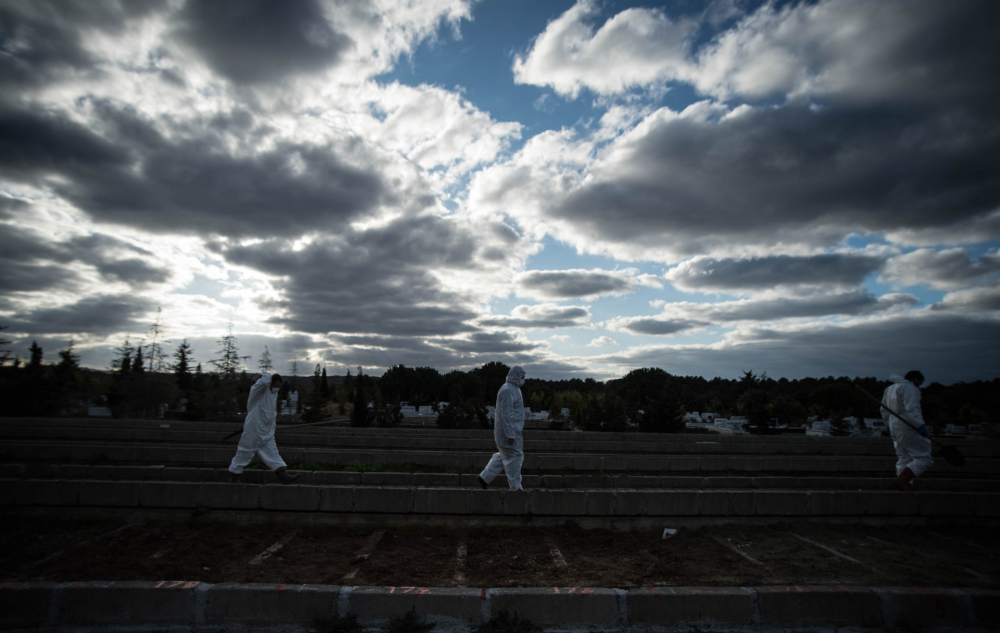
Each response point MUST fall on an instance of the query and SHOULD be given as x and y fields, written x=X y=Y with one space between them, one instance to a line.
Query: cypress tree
x=359 y=414
x=36 y=355
x=182 y=368
x=324 y=386
x=137 y=365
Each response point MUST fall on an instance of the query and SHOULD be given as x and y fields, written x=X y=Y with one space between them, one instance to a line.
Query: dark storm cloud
x=28 y=263
x=251 y=41
x=9 y=207
x=190 y=184
x=947 y=269
x=875 y=348
x=544 y=317
x=95 y=249
x=41 y=40
x=680 y=317
x=788 y=175
x=491 y=343
x=31 y=263
x=94 y=315
x=737 y=275
x=981 y=299
x=654 y=326
x=575 y=284
x=375 y=281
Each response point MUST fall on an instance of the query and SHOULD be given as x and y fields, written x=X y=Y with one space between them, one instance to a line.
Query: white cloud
x=602 y=341
x=947 y=269
x=542 y=316
x=847 y=49
x=686 y=316
x=634 y=48
x=982 y=299
x=576 y=283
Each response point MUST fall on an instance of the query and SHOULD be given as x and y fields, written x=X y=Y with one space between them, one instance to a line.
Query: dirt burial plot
x=511 y=557
x=566 y=556
x=424 y=558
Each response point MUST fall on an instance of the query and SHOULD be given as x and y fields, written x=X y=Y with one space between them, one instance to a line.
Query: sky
x=580 y=188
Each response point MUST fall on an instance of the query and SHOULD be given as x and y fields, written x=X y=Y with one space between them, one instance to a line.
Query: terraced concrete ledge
x=401 y=500
x=201 y=606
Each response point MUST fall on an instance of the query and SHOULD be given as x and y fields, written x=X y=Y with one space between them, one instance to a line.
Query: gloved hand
x=923 y=430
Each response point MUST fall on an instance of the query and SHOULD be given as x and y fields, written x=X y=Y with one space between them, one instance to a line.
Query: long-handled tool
x=951 y=454
x=293 y=426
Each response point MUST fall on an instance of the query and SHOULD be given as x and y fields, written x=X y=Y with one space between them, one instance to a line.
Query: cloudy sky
x=582 y=188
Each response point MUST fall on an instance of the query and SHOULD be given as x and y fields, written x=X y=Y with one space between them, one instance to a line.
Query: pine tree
x=359 y=414
x=157 y=356
x=69 y=360
x=138 y=364
x=182 y=368
x=314 y=410
x=36 y=355
x=228 y=360
x=264 y=364
x=4 y=354
x=123 y=362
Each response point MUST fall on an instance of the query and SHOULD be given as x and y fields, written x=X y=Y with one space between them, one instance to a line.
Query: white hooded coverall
x=912 y=450
x=258 y=429
x=508 y=422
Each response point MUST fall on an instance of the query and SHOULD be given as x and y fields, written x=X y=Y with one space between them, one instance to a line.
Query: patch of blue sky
x=481 y=63
x=924 y=294
x=978 y=250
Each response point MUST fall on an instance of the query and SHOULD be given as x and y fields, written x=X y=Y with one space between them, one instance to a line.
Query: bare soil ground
x=942 y=556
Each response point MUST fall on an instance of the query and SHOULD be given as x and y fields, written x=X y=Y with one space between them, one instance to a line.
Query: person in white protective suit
x=913 y=448
x=258 y=431
x=508 y=428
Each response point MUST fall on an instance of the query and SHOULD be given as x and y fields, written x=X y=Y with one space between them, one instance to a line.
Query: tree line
x=145 y=376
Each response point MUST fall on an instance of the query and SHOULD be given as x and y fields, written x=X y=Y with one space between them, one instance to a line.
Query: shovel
x=294 y=426
x=951 y=454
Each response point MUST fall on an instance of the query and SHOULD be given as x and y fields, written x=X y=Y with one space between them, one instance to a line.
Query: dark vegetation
x=144 y=377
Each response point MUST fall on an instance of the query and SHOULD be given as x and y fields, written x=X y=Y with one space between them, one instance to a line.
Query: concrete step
x=422 y=502
x=336 y=438
x=435 y=433
x=579 y=482
x=194 y=454
x=179 y=605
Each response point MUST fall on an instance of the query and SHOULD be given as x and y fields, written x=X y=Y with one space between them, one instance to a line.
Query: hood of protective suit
x=516 y=376
x=896 y=378
x=266 y=379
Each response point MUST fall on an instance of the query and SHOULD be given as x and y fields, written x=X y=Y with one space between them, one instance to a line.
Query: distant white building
x=288 y=407
x=734 y=425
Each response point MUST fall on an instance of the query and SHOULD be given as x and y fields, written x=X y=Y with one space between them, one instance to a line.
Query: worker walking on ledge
x=913 y=448
x=508 y=427
x=258 y=431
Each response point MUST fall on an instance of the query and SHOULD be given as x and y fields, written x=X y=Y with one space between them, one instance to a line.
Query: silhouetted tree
x=36 y=355
x=359 y=414
x=182 y=368
x=663 y=414
x=4 y=342
x=157 y=357
x=264 y=364
x=227 y=363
